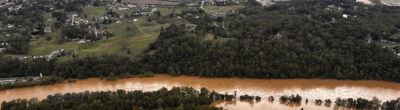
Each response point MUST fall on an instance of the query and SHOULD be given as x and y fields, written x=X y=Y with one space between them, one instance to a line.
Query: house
x=47 y=29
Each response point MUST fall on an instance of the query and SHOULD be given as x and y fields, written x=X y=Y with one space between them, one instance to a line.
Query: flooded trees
x=271 y=98
x=359 y=103
x=246 y=97
x=293 y=98
x=178 y=97
x=391 y=105
x=318 y=101
x=328 y=101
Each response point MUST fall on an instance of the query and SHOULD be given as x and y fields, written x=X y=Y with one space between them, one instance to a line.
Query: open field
x=167 y=11
x=94 y=11
x=42 y=46
x=128 y=37
x=221 y=9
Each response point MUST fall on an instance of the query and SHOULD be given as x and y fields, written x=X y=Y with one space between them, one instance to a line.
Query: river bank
x=308 y=88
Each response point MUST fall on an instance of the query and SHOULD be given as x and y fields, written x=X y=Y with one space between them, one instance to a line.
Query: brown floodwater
x=308 y=88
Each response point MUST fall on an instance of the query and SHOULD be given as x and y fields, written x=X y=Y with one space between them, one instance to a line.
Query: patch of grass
x=134 y=40
x=42 y=46
x=215 y=41
x=94 y=11
x=122 y=12
x=167 y=11
x=48 y=19
x=127 y=29
x=221 y=9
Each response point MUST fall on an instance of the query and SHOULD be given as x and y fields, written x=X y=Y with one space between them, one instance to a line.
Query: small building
x=47 y=29
x=345 y=16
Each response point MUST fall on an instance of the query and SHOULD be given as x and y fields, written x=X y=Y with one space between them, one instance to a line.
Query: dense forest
x=298 y=39
x=178 y=98
x=340 y=39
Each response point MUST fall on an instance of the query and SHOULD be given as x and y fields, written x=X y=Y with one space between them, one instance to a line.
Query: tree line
x=177 y=98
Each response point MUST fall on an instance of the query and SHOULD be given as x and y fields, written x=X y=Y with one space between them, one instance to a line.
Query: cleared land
x=221 y=9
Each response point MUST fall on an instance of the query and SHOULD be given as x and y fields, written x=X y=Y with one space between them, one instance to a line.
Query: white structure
x=345 y=16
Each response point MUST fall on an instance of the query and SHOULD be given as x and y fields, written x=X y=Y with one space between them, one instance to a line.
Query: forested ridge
x=339 y=39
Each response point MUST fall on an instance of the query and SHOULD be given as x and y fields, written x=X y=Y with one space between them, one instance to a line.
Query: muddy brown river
x=308 y=88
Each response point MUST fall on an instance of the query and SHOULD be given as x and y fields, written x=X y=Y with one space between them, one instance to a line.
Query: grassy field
x=48 y=19
x=132 y=37
x=94 y=11
x=167 y=11
x=221 y=9
x=42 y=46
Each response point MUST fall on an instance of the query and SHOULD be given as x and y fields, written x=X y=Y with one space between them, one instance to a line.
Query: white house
x=345 y=16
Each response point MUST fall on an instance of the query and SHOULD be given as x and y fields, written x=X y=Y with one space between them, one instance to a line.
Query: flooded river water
x=308 y=88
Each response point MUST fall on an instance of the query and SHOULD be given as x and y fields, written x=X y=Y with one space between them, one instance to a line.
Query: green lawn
x=166 y=11
x=134 y=37
x=42 y=46
x=48 y=19
x=221 y=9
x=94 y=11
